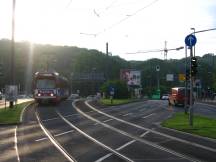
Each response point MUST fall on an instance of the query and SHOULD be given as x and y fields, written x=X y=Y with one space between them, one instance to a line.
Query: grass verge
x=116 y=101
x=12 y=115
x=202 y=126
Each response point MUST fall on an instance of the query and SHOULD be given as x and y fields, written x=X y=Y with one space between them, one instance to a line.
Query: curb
x=23 y=110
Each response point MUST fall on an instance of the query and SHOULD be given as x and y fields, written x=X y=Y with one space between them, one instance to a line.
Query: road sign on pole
x=190 y=40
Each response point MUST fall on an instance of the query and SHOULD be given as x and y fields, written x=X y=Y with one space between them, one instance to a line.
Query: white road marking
x=125 y=145
x=152 y=131
x=56 y=135
x=105 y=121
x=142 y=135
x=93 y=139
x=50 y=119
x=60 y=134
x=15 y=144
x=138 y=139
x=41 y=139
x=148 y=115
x=127 y=114
x=104 y=157
x=66 y=116
x=22 y=113
x=120 y=148
x=54 y=142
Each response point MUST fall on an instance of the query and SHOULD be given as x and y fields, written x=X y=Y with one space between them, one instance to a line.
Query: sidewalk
x=2 y=102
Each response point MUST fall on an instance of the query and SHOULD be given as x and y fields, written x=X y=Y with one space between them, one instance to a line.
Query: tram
x=50 y=87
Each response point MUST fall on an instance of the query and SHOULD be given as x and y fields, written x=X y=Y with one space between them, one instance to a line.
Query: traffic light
x=187 y=74
x=193 y=66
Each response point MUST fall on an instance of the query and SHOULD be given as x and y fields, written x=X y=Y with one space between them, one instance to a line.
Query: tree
x=120 y=89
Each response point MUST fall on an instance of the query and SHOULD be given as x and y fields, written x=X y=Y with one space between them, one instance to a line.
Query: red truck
x=177 y=96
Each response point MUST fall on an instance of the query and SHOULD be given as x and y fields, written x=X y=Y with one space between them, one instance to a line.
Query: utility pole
x=186 y=79
x=165 y=51
x=191 y=90
x=107 y=62
x=190 y=41
x=12 y=47
x=107 y=48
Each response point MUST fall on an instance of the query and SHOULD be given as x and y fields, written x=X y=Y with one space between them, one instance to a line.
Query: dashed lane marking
x=94 y=140
x=56 y=135
x=105 y=121
x=137 y=138
x=127 y=114
x=54 y=142
x=15 y=144
x=120 y=148
x=153 y=131
x=66 y=116
x=148 y=115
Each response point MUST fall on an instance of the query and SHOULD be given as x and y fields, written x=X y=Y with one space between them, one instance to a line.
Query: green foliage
x=121 y=89
x=12 y=115
x=116 y=101
x=68 y=60
x=203 y=126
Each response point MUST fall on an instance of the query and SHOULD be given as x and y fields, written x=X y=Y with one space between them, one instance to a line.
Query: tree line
x=71 y=60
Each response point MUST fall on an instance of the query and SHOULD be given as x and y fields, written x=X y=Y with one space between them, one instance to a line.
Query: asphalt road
x=87 y=132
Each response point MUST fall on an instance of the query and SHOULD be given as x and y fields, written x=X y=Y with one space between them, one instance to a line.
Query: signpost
x=181 y=77
x=190 y=41
x=11 y=93
x=112 y=92
x=158 y=80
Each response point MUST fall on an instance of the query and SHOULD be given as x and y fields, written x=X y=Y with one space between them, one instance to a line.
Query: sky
x=129 y=26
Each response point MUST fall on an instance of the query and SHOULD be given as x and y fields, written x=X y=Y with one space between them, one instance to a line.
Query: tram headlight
x=39 y=94
x=51 y=94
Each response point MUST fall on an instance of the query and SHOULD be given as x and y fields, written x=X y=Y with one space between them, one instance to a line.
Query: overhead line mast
x=165 y=50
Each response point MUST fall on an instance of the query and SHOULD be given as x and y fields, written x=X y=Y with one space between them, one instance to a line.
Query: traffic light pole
x=185 y=101
x=191 y=90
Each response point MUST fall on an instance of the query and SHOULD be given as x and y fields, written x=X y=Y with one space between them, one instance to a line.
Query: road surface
x=87 y=132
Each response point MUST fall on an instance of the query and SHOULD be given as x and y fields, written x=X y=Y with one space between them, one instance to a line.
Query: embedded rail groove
x=94 y=140
x=53 y=141
x=150 y=130
x=135 y=137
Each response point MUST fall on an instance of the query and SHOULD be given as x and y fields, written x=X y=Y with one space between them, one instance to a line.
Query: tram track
x=133 y=137
x=104 y=137
x=69 y=153
x=190 y=146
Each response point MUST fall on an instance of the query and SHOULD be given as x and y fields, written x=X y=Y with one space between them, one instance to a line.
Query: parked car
x=74 y=96
x=165 y=97
x=91 y=97
x=1 y=95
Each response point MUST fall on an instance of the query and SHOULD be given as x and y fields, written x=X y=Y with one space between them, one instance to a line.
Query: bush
x=120 y=89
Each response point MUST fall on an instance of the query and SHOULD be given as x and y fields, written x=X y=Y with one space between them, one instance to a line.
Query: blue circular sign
x=190 y=40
